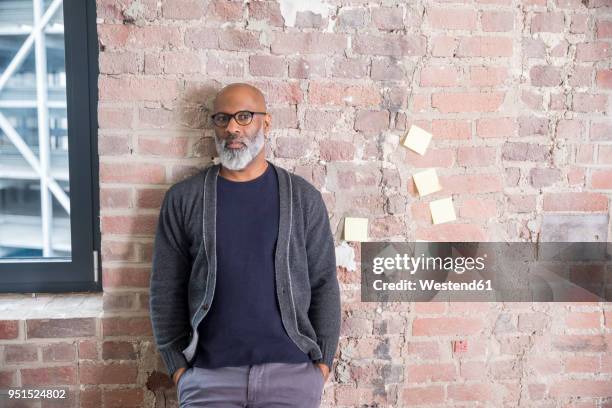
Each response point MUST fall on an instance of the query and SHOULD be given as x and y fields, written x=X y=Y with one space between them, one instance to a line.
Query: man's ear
x=267 y=123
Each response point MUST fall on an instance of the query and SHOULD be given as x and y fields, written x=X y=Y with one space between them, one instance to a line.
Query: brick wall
x=518 y=96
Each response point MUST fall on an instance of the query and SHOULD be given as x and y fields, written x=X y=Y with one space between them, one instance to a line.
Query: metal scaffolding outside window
x=49 y=237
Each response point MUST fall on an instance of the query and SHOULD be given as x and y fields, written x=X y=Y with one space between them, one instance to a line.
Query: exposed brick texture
x=518 y=96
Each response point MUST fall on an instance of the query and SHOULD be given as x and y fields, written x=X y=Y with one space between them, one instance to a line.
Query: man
x=245 y=302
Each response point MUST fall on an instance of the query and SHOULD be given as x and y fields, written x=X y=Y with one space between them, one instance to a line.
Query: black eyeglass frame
x=233 y=116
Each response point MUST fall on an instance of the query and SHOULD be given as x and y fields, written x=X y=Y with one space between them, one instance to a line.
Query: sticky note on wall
x=417 y=139
x=427 y=182
x=442 y=210
x=355 y=229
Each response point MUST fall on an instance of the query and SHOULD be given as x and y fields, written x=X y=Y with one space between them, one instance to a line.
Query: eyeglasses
x=243 y=118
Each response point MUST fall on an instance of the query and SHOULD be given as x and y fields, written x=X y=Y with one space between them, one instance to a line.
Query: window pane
x=34 y=179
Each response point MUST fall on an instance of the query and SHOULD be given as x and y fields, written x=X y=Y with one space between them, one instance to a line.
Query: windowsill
x=14 y=306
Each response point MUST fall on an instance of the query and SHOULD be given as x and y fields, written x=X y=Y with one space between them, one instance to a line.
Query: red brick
x=137 y=89
x=552 y=22
x=582 y=364
x=329 y=93
x=431 y=158
x=593 y=51
x=579 y=24
x=114 y=145
x=495 y=127
x=223 y=10
x=353 y=68
x=452 y=19
x=123 y=398
x=391 y=44
x=97 y=373
x=604 y=29
x=471 y=392
x=452 y=233
x=601 y=131
x=132 y=173
x=543 y=177
x=162 y=146
x=525 y=152
x=291 y=147
x=570 y=129
x=20 y=353
x=589 y=103
x=439 y=76
x=129 y=224
x=308 y=43
x=430 y=372
x=473 y=370
x=120 y=62
x=202 y=38
x=432 y=394
x=387 y=69
x=475 y=156
x=267 y=65
x=388 y=18
x=126 y=326
x=604 y=154
x=334 y=150
x=446 y=326
x=9 y=329
x=479 y=46
x=496 y=21
x=471 y=183
x=583 y=320
x=444 y=46
x=478 y=209
x=54 y=328
x=371 y=121
x=47 y=376
x=545 y=75
x=118 y=350
x=584 y=388
x=115 y=197
x=280 y=92
x=118 y=251
x=59 y=352
x=149 y=197
x=603 y=78
x=88 y=350
x=601 y=179
x=238 y=40
x=181 y=62
x=488 y=76
x=115 y=118
x=182 y=10
x=126 y=277
x=353 y=18
x=467 y=102
x=266 y=11
x=585 y=201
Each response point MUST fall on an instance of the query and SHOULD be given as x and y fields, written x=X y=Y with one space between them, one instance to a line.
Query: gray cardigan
x=183 y=274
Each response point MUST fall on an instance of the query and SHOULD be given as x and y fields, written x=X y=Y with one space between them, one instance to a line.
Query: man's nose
x=233 y=127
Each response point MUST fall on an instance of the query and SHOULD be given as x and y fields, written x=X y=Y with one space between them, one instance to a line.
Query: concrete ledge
x=50 y=306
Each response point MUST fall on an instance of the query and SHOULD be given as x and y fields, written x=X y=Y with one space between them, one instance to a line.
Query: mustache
x=232 y=139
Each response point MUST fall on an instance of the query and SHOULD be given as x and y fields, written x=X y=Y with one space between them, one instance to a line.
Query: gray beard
x=238 y=159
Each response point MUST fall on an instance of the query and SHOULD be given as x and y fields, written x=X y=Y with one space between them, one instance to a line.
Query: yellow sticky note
x=417 y=139
x=427 y=182
x=442 y=210
x=355 y=229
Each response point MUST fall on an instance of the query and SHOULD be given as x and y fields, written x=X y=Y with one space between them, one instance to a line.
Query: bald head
x=242 y=94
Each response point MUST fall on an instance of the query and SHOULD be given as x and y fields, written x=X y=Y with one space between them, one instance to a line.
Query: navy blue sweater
x=244 y=324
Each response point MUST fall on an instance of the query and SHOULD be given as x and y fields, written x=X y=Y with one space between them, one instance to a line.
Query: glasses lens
x=220 y=119
x=244 y=117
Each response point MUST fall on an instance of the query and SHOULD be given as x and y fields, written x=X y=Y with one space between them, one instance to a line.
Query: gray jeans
x=269 y=385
